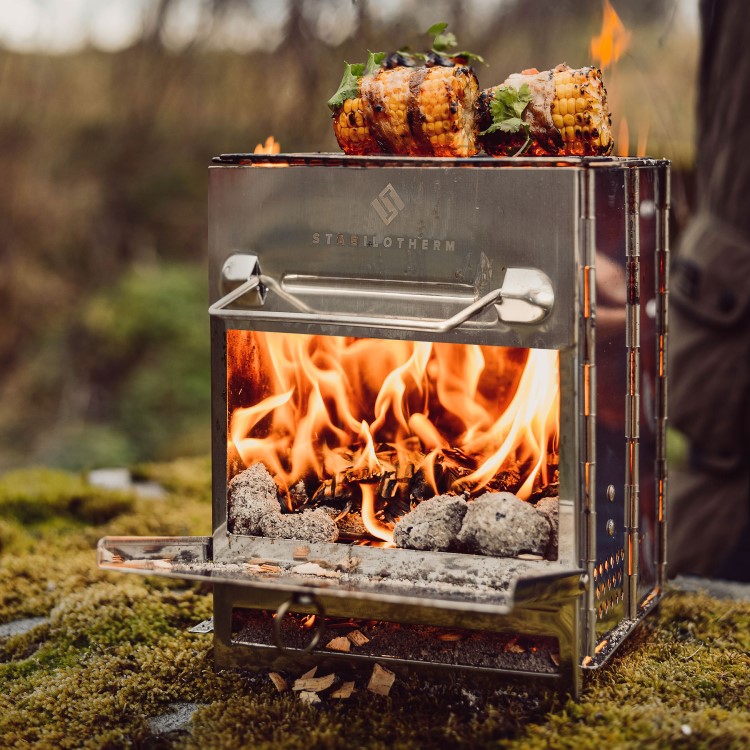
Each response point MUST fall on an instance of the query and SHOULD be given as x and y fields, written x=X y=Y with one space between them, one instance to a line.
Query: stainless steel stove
x=563 y=257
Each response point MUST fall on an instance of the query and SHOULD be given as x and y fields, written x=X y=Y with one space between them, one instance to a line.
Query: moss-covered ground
x=115 y=652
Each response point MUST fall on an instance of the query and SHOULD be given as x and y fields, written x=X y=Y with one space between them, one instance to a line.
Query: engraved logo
x=388 y=204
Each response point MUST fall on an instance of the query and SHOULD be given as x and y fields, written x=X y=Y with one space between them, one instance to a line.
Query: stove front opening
x=431 y=446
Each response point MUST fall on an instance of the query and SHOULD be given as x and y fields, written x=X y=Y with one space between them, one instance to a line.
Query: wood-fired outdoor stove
x=337 y=282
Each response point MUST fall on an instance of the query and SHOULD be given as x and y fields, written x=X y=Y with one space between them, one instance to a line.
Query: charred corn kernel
x=581 y=93
x=415 y=111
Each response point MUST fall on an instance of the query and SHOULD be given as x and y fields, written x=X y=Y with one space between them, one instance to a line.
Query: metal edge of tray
x=173 y=557
x=344 y=160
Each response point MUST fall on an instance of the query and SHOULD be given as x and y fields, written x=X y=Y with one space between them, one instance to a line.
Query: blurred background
x=110 y=111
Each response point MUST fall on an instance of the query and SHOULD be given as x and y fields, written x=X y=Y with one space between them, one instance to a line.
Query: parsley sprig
x=349 y=86
x=507 y=107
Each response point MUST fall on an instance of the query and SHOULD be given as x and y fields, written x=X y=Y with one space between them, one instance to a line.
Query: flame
x=614 y=39
x=374 y=416
x=623 y=138
x=372 y=524
x=271 y=146
x=641 y=149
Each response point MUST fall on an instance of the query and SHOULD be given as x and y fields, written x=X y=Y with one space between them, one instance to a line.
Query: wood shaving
x=313 y=569
x=301 y=553
x=314 y=684
x=279 y=682
x=344 y=691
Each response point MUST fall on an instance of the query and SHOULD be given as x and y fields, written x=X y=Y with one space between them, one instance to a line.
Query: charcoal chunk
x=253 y=495
x=502 y=525
x=549 y=508
x=310 y=526
x=433 y=525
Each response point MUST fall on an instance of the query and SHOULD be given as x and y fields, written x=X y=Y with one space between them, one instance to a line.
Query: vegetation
x=115 y=652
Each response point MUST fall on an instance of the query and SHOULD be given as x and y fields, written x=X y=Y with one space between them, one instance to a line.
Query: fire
x=623 y=138
x=613 y=41
x=376 y=426
x=271 y=146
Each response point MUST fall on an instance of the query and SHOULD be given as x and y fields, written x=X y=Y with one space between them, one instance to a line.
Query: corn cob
x=567 y=115
x=410 y=111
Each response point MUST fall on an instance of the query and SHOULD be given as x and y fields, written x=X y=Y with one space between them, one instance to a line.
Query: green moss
x=116 y=651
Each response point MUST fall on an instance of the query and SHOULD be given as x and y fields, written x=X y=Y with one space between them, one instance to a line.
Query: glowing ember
x=614 y=39
x=376 y=426
x=271 y=146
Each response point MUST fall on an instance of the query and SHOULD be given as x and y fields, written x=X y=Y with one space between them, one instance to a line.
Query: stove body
x=569 y=255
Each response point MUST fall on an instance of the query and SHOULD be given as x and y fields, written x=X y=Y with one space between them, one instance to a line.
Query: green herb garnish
x=349 y=86
x=508 y=106
x=443 y=41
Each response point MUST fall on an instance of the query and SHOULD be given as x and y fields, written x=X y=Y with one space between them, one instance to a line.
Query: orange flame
x=613 y=41
x=623 y=138
x=369 y=413
x=271 y=146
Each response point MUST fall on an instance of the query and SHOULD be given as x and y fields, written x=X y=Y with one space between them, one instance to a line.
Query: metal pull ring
x=304 y=600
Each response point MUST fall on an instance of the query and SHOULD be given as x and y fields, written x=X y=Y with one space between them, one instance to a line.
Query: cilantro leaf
x=436 y=28
x=444 y=42
x=349 y=86
x=508 y=106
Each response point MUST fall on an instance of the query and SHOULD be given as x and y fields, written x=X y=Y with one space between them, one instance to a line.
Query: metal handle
x=526 y=285
x=304 y=600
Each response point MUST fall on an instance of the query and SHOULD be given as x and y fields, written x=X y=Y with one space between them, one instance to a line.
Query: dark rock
x=433 y=525
x=499 y=524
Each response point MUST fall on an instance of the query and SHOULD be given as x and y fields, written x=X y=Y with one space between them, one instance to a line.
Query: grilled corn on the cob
x=567 y=115
x=411 y=111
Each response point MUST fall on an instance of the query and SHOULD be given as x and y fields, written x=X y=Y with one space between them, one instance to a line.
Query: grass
x=116 y=652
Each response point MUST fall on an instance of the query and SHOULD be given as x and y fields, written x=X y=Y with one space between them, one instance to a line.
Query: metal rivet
x=611 y=527
x=611 y=493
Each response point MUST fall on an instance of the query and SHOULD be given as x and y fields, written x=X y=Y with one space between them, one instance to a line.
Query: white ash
x=310 y=525
x=549 y=507
x=502 y=525
x=433 y=525
x=253 y=496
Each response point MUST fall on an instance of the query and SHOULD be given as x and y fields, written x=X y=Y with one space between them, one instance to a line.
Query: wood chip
x=342 y=643
x=529 y=556
x=301 y=553
x=309 y=698
x=313 y=569
x=309 y=674
x=451 y=637
x=279 y=682
x=358 y=638
x=314 y=684
x=266 y=568
x=554 y=658
x=381 y=680
x=343 y=691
